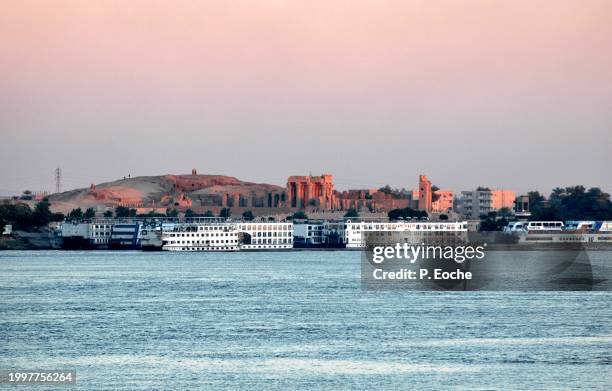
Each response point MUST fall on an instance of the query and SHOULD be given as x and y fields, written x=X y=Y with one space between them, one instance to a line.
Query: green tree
x=57 y=216
x=443 y=217
x=42 y=213
x=108 y=214
x=208 y=213
x=27 y=195
x=299 y=215
x=352 y=212
x=248 y=215
x=395 y=193
x=189 y=213
x=492 y=222
x=386 y=189
x=406 y=213
x=122 y=212
x=505 y=212
x=133 y=212
x=487 y=222
x=19 y=215
x=151 y=214
x=535 y=198
x=577 y=203
x=90 y=213
x=171 y=212
x=434 y=195
x=225 y=213
x=76 y=214
x=571 y=203
x=395 y=214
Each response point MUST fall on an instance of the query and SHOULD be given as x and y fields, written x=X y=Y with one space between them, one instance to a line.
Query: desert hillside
x=164 y=191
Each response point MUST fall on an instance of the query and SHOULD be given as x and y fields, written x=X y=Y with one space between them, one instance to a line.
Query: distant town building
x=502 y=199
x=425 y=197
x=429 y=200
x=482 y=201
x=444 y=200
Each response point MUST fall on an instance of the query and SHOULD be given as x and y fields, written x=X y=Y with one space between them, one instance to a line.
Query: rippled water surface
x=295 y=320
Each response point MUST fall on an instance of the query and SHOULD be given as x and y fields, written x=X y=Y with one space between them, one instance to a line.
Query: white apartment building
x=474 y=203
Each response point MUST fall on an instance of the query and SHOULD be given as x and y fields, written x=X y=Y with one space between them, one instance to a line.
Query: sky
x=506 y=94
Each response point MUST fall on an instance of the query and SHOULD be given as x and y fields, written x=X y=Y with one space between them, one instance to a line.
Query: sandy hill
x=159 y=192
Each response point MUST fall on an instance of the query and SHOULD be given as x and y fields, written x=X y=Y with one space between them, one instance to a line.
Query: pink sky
x=514 y=94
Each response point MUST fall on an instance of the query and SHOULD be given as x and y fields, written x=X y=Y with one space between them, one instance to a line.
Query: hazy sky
x=513 y=94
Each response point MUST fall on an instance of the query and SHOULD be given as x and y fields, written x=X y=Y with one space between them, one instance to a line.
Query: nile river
x=286 y=320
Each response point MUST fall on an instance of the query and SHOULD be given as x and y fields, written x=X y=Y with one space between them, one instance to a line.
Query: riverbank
x=43 y=239
x=11 y=243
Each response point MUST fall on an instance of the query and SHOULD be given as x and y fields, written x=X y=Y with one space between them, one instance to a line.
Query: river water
x=286 y=320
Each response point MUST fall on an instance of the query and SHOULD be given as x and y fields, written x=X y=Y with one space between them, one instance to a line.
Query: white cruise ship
x=211 y=236
x=228 y=236
x=574 y=232
x=355 y=232
x=262 y=236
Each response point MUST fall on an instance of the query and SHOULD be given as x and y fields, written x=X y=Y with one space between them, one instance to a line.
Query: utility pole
x=58 y=180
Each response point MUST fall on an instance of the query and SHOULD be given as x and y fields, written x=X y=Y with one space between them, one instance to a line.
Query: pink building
x=439 y=201
x=502 y=199
x=424 y=194
x=443 y=201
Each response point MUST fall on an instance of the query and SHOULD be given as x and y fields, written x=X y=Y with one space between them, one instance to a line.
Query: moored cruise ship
x=228 y=236
x=594 y=233
x=355 y=232
x=265 y=236
x=151 y=235
x=209 y=236
x=582 y=232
